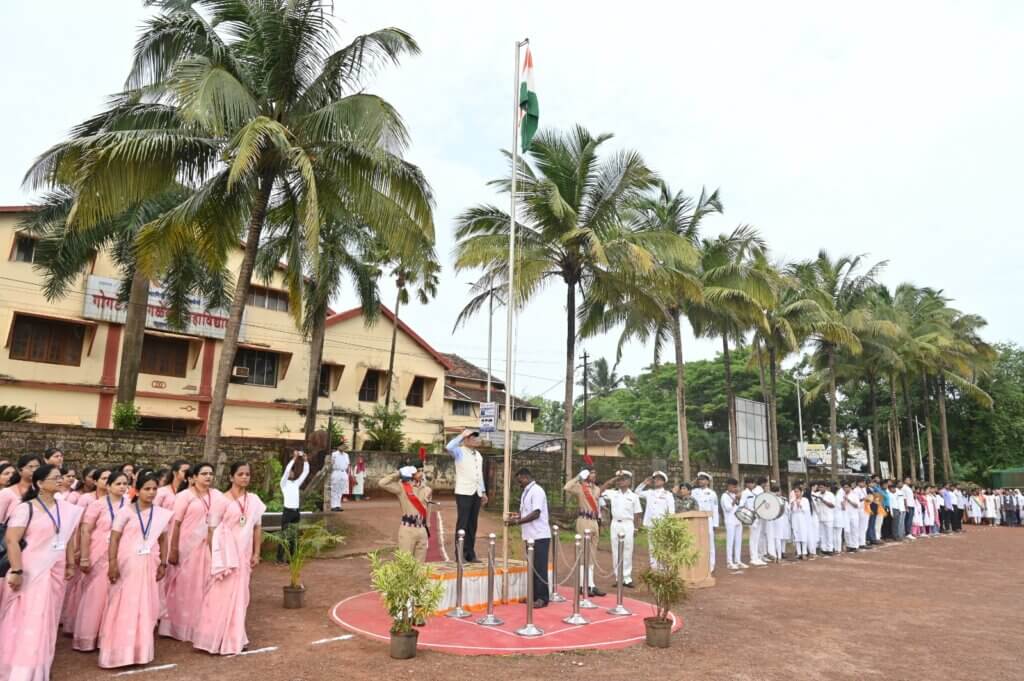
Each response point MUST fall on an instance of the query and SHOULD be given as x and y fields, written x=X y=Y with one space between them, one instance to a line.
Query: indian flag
x=529 y=110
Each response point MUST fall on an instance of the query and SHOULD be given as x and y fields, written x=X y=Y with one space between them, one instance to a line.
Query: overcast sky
x=886 y=128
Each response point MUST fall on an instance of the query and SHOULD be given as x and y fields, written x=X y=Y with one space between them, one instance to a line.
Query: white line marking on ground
x=268 y=649
x=158 y=668
x=336 y=638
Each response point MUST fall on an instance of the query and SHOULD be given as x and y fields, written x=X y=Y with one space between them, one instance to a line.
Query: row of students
x=124 y=554
x=995 y=507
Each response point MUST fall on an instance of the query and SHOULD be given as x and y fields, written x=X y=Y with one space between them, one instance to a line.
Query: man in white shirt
x=340 y=465
x=910 y=502
x=533 y=519
x=840 y=518
x=824 y=508
x=626 y=512
x=898 y=508
x=959 y=503
x=291 y=487
x=658 y=501
x=754 y=538
x=470 y=491
x=854 y=516
x=733 y=527
x=707 y=501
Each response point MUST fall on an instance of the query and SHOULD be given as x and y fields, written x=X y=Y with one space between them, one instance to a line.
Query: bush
x=270 y=493
x=384 y=428
x=337 y=437
x=405 y=586
x=10 y=413
x=302 y=543
x=672 y=546
x=127 y=416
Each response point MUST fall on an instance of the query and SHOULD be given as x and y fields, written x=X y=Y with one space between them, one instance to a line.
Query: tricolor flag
x=529 y=111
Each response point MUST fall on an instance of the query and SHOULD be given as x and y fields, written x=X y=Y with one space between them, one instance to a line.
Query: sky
x=879 y=128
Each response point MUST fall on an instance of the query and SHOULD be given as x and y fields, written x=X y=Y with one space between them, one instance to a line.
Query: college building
x=61 y=359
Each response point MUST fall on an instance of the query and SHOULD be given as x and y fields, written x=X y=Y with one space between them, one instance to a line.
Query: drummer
x=707 y=501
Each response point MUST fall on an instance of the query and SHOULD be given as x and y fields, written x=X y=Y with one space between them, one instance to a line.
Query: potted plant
x=672 y=547
x=301 y=543
x=409 y=595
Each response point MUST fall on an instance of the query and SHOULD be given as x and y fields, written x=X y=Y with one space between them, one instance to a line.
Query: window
x=47 y=340
x=262 y=366
x=24 y=248
x=370 y=389
x=324 y=389
x=460 y=408
x=416 y=392
x=162 y=425
x=268 y=298
x=164 y=356
x=519 y=414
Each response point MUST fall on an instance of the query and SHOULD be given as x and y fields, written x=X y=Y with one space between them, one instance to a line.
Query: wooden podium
x=698 y=576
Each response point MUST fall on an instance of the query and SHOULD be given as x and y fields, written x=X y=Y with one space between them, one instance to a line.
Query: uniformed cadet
x=707 y=501
x=658 y=501
x=627 y=513
x=588 y=517
x=413 y=496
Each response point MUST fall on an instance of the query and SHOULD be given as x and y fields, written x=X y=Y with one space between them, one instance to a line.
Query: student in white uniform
x=825 y=504
x=754 y=533
x=765 y=532
x=865 y=512
x=627 y=514
x=898 y=506
x=707 y=501
x=800 y=517
x=840 y=518
x=733 y=527
x=853 y=504
x=779 y=529
x=658 y=501
x=910 y=504
x=340 y=465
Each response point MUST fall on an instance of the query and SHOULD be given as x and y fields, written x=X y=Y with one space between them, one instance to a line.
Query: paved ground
x=929 y=610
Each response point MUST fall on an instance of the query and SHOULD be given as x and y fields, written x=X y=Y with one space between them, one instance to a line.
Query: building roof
x=479 y=395
x=16 y=209
x=358 y=312
x=463 y=369
x=606 y=433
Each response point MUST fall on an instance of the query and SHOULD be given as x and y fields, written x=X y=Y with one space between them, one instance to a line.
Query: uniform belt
x=588 y=515
x=412 y=521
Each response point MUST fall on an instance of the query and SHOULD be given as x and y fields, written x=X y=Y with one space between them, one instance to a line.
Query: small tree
x=405 y=587
x=384 y=428
x=302 y=543
x=672 y=547
x=126 y=416
x=10 y=413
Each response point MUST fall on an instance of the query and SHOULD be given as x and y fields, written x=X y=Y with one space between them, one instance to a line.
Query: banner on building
x=102 y=304
x=752 y=432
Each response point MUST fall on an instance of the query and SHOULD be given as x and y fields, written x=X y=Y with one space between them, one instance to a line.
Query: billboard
x=752 y=432
x=102 y=304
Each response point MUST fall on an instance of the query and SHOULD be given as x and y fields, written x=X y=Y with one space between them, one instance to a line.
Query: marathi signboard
x=102 y=304
x=488 y=417
x=752 y=432
x=796 y=466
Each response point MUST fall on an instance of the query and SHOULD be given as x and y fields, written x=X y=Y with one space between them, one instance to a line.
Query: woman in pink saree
x=189 y=554
x=95 y=541
x=11 y=496
x=171 y=482
x=236 y=531
x=98 y=478
x=37 y=578
x=135 y=566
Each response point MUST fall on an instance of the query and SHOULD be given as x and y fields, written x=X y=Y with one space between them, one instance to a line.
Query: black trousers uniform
x=468 y=508
x=289 y=516
x=541 y=590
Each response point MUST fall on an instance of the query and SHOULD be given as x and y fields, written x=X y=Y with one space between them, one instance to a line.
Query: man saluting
x=588 y=517
x=413 y=497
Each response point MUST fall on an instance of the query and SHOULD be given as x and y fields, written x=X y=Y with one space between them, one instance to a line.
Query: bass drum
x=768 y=506
x=745 y=516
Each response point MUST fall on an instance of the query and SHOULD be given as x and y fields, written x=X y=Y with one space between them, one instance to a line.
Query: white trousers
x=853 y=531
x=623 y=527
x=865 y=518
x=837 y=539
x=733 y=544
x=589 y=582
x=754 y=539
x=339 y=487
x=801 y=548
x=768 y=543
x=711 y=541
x=825 y=535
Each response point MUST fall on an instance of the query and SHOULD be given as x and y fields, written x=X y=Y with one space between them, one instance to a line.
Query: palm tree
x=840 y=290
x=571 y=229
x=601 y=379
x=251 y=106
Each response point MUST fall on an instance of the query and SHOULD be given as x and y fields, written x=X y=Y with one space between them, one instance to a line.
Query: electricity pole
x=586 y=396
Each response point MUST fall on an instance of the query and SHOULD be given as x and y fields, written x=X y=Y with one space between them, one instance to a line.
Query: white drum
x=768 y=506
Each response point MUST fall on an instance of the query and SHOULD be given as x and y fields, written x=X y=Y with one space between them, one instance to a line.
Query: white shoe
x=758 y=563
x=731 y=566
x=742 y=566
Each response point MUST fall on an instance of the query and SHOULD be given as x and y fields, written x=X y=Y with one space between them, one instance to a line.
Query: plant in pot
x=301 y=543
x=409 y=595
x=672 y=547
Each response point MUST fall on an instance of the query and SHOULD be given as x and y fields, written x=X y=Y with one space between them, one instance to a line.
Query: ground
x=925 y=610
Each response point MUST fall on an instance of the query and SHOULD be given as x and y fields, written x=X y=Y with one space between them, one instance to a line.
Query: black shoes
x=594 y=591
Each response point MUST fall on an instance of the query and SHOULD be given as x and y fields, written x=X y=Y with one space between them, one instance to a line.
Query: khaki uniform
x=583 y=519
x=412 y=533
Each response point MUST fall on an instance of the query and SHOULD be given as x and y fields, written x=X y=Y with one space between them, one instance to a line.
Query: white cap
x=407 y=471
x=664 y=476
x=584 y=474
x=702 y=474
x=624 y=472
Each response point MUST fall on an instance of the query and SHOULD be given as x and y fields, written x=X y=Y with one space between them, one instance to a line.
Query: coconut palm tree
x=571 y=229
x=250 y=104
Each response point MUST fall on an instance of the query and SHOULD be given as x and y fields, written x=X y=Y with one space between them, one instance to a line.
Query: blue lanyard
x=56 y=523
x=110 y=508
x=149 y=523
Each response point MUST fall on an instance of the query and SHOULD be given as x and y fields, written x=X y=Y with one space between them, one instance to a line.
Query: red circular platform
x=363 y=614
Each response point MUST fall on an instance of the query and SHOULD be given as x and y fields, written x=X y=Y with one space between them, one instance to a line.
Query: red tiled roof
x=358 y=312
x=462 y=368
x=606 y=433
x=16 y=209
x=462 y=394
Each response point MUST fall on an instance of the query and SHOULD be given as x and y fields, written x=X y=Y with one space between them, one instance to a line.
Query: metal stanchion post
x=555 y=596
x=458 y=610
x=619 y=608
x=490 y=619
x=576 y=617
x=529 y=629
x=586 y=603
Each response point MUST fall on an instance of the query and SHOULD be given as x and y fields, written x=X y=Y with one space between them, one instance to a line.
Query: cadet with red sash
x=588 y=517
x=413 y=497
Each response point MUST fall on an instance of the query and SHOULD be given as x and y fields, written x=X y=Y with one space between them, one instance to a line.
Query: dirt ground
x=934 y=609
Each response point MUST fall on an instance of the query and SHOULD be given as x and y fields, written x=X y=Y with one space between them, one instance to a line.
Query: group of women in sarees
x=121 y=557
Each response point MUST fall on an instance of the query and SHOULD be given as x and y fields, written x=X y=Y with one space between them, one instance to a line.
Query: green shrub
x=672 y=546
x=384 y=428
x=127 y=416
x=10 y=413
x=310 y=540
x=405 y=587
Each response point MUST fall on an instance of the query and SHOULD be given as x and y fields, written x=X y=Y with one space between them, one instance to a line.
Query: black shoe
x=628 y=585
x=597 y=592
x=474 y=559
x=539 y=604
x=335 y=509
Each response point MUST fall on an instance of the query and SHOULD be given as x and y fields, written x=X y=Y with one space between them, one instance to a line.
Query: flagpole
x=509 y=321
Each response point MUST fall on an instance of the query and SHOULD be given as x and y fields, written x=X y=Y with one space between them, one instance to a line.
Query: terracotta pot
x=294 y=597
x=403 y=646
x=659 y=631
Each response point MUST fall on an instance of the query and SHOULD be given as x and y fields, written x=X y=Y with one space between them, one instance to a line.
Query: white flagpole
x=509 y=321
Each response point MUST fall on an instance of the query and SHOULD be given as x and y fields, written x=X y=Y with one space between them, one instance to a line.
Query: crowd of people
x=119 y=554
x=996 y=507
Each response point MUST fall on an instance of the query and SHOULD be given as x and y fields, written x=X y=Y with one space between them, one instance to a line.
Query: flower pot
x=659 y=631
x=294 y=597
x=403 y=645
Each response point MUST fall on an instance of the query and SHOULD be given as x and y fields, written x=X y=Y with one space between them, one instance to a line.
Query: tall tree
x=250 y=104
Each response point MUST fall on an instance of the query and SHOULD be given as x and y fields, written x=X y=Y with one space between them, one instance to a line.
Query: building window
x=370 y=389
x=519 y=414
x=416 y=392
x=162 y=425
x=324 y=389
x=47 y=340
x=164 y=356
x=268 y=298
x=460 y=408
x=24 y=248
x=262 y=366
